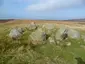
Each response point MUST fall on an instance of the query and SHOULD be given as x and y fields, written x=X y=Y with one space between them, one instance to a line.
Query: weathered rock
x=38 y=35
x=65 y=32
x=49 y=28
x=61 y=33
x=73 y=34
x=32 y=26
x=15 y=33
x=51 y=40
x=21 y=30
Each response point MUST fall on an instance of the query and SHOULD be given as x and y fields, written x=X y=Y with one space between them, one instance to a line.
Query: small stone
x=51 y=40
x=68 y=44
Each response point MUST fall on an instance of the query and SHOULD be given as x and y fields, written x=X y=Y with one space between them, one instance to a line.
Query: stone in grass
x=73 y=34
x=65 y=32
x=61 y=33
x=15 y=33
x=49 y=28
x=64 y=35
x=32 y=26
x=51 y=40
x=38 y=36
x=68 y=43
x=21 y=30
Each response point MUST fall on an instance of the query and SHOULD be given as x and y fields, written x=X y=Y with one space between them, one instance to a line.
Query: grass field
x=21 y=52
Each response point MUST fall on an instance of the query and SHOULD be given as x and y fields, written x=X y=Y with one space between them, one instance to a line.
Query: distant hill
x=5 y=20
x=75 y=20
x=39 y=21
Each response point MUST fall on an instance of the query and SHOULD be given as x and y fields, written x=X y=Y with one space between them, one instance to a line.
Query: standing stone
x=49 y=28
x=65 y=32
x=60 y=33
x=32 y=26
x=14 y=33
x=73 y=34
x=21 y=30
x=38 y=35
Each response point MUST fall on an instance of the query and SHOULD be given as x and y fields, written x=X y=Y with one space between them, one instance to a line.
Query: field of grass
x=21 y=52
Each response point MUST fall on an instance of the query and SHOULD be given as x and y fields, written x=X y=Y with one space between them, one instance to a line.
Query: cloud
x=44 y=5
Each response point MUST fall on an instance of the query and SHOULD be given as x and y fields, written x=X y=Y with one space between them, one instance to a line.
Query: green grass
x=21 y=52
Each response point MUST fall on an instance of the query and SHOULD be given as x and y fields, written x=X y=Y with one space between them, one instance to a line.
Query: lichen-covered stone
x=32 y=26
x=73 y=34
x=64 y=32
x=51 y=40
x=38 y=35
x=21 y=30
x=14 y=33
x=59 y=34
x=49 y=28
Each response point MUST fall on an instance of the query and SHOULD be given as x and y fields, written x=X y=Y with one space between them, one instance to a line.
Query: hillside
x=30 y=49
x=70 y=23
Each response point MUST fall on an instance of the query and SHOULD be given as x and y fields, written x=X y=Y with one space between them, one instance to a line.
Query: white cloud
x=44 y=5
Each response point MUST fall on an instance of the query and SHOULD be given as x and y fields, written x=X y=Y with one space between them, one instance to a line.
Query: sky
x=42 y=9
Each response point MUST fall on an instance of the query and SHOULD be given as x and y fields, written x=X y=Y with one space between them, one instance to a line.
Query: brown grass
x=71 y=24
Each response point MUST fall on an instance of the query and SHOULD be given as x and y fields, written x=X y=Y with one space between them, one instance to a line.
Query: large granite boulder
x=32 y=26
x=64 y=32
x=73 y=34
x=15 y=33
x=60 y=33
x=38 y=35
x=21 y=30
x=49 y=28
